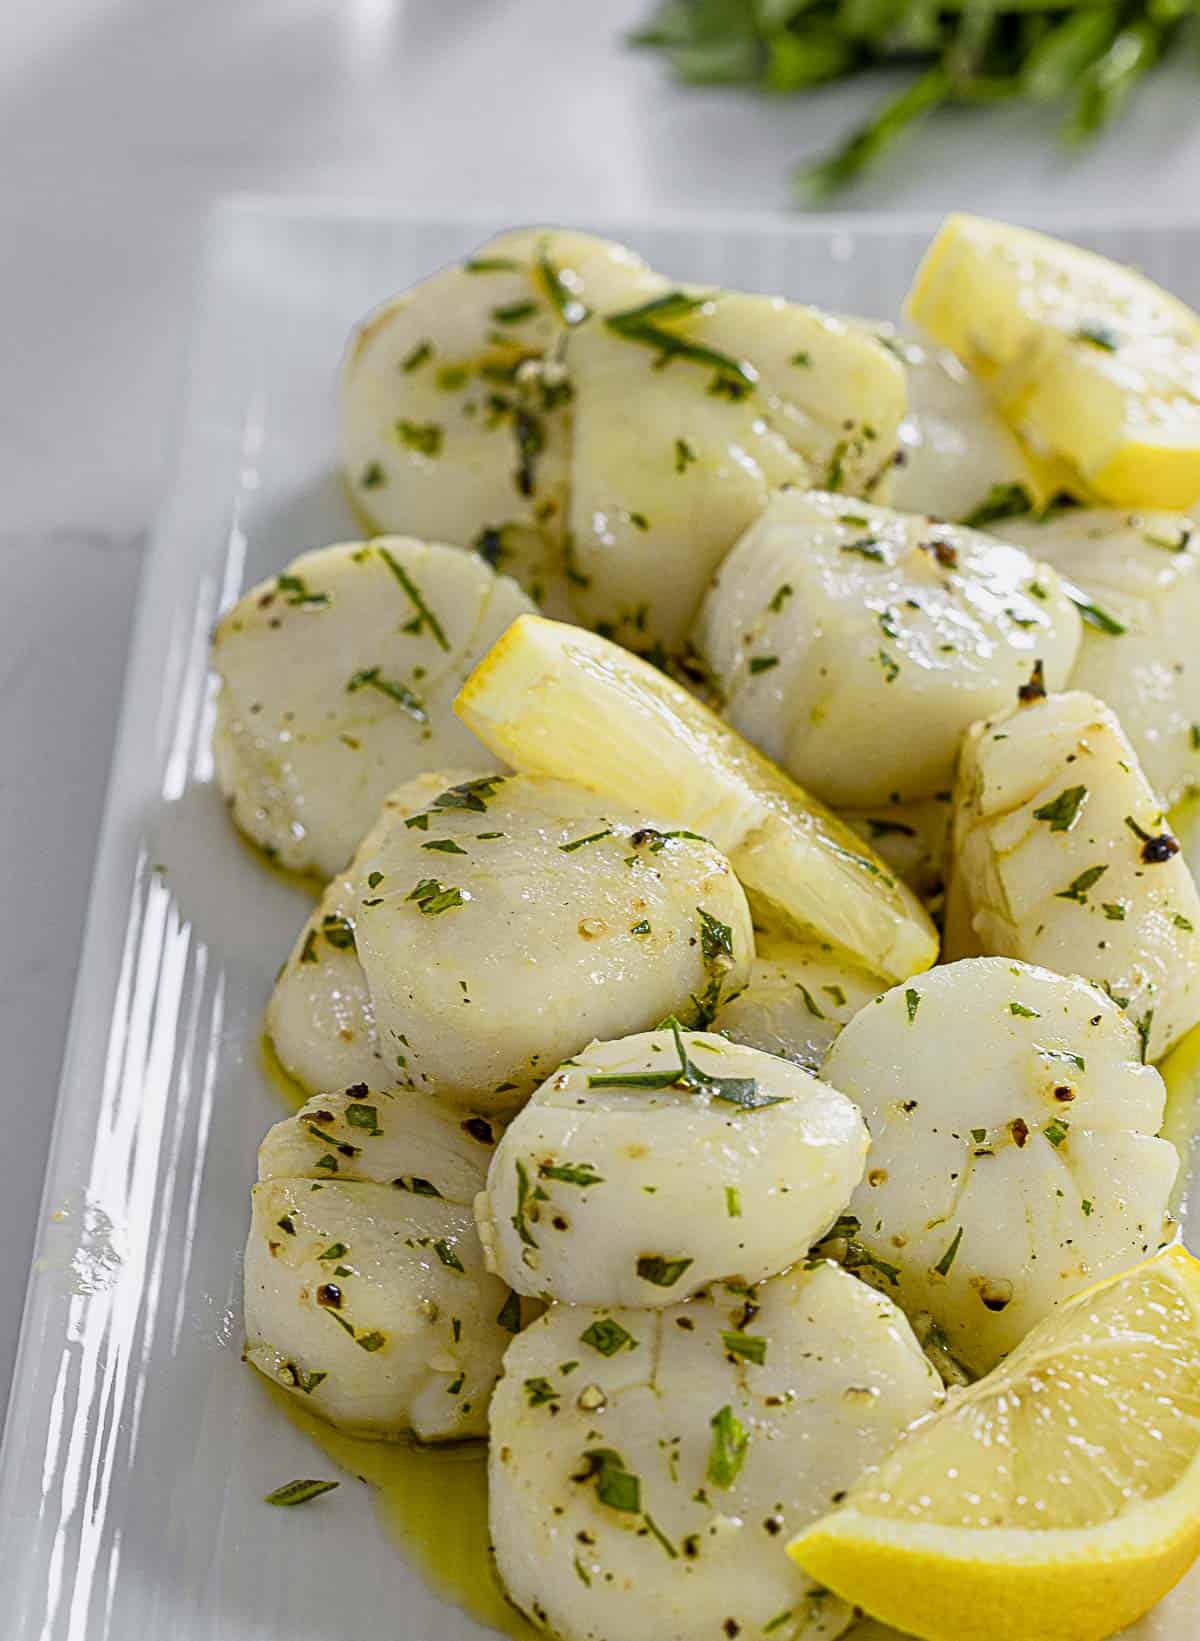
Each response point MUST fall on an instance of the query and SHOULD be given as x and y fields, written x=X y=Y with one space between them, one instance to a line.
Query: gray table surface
x=120 y=120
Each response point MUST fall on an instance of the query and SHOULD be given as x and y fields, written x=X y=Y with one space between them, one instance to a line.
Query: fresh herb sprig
x=1085 y=54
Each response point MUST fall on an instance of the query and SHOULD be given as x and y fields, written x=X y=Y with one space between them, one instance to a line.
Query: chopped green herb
x=592 y=837
x=1092 y=614
x=751 y=1347
x=299 y=1492
x=509 y=1316
x=891 y=668
x=1056 y=1131
x=424 y=616
x=571 y=1173
x=947 y=1260
x=1062 y=812
x=617 y=1487
x=1087 y=1206
x=571 y=310
x=1114 y=911
x=539 y=1392
x=433 y=897
x=297 y=591
x=780 y=597
x=663 y=1273
x=1003 y=501
x=308 y=952
x=866 y=547
x=727 y=1452
x=762 y=663
x=1026 y=1014
x=1078 y=887
x=513 y=313
x=608 y=1337
x=372 y=476
x=912 y=1002
x=646 y=324
x=423 y=437
x=418 y=356
x=473 y=795
x=1064 y=1054
x=684 y=455
x=810 y=1002
x=335 y=1250
x=733 y=1202
x=448 y=1255
x=642 y=926
x=444 y=846
x=372 y=678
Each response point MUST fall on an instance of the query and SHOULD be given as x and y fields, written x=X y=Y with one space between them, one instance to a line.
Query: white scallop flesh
x=648 y=1467
x=608 y=1190
x=502 y=922
x=956 y=456
x=1013 y=1152
x=367 y=1297
x=854 y=644
x=1063 y=856
x=455 y=416
x=799 y=996
x=913 y=838
x=321 y=1015
x=337 y=679
x=668 y=471
x=1140 y=571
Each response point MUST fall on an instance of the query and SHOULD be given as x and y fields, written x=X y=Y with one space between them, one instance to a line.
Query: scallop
x=596 y=431
x=956 y=457
x=647 y=1467
x=913 y=839
x=799 y=996
x=690 y=411
x=500 y=923
x=337 y=679
x=1063 y=856
x=1138 y=577
x=456 y=402
x=367 y=1297
x=321 y=1015
x=1013 y=1151
x=854 y=644
x=645 y=1169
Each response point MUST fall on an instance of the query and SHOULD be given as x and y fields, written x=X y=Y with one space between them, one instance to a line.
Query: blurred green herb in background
x=1091 y=53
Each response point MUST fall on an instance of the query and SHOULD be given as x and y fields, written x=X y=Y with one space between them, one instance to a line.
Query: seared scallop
x=366 y=1292
x=337 y=679
x=799 y=996
x=1138 y=575
x=502 y=922
x=1013 y=1151
x=854 y=644
x=1063 y=856
x=647 y=1467
x=645 y=1169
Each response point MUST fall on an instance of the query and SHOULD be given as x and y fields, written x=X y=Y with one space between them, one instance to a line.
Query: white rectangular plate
x=138 y=1448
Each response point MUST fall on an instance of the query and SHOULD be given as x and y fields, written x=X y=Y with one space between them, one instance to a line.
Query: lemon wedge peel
x=1086 y=359
x=553 y=699
x=956 y=1583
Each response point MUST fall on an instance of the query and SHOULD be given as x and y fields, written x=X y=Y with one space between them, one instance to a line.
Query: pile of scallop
x=736 y=764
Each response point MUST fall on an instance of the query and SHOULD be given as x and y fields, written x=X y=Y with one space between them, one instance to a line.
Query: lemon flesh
x=1086 y=359
x=1058 y=1498
x=552 y=699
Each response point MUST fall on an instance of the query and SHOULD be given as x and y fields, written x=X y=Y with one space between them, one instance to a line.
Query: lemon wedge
x=1086 y=359
x=1055 y=1500
x=552 y=699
